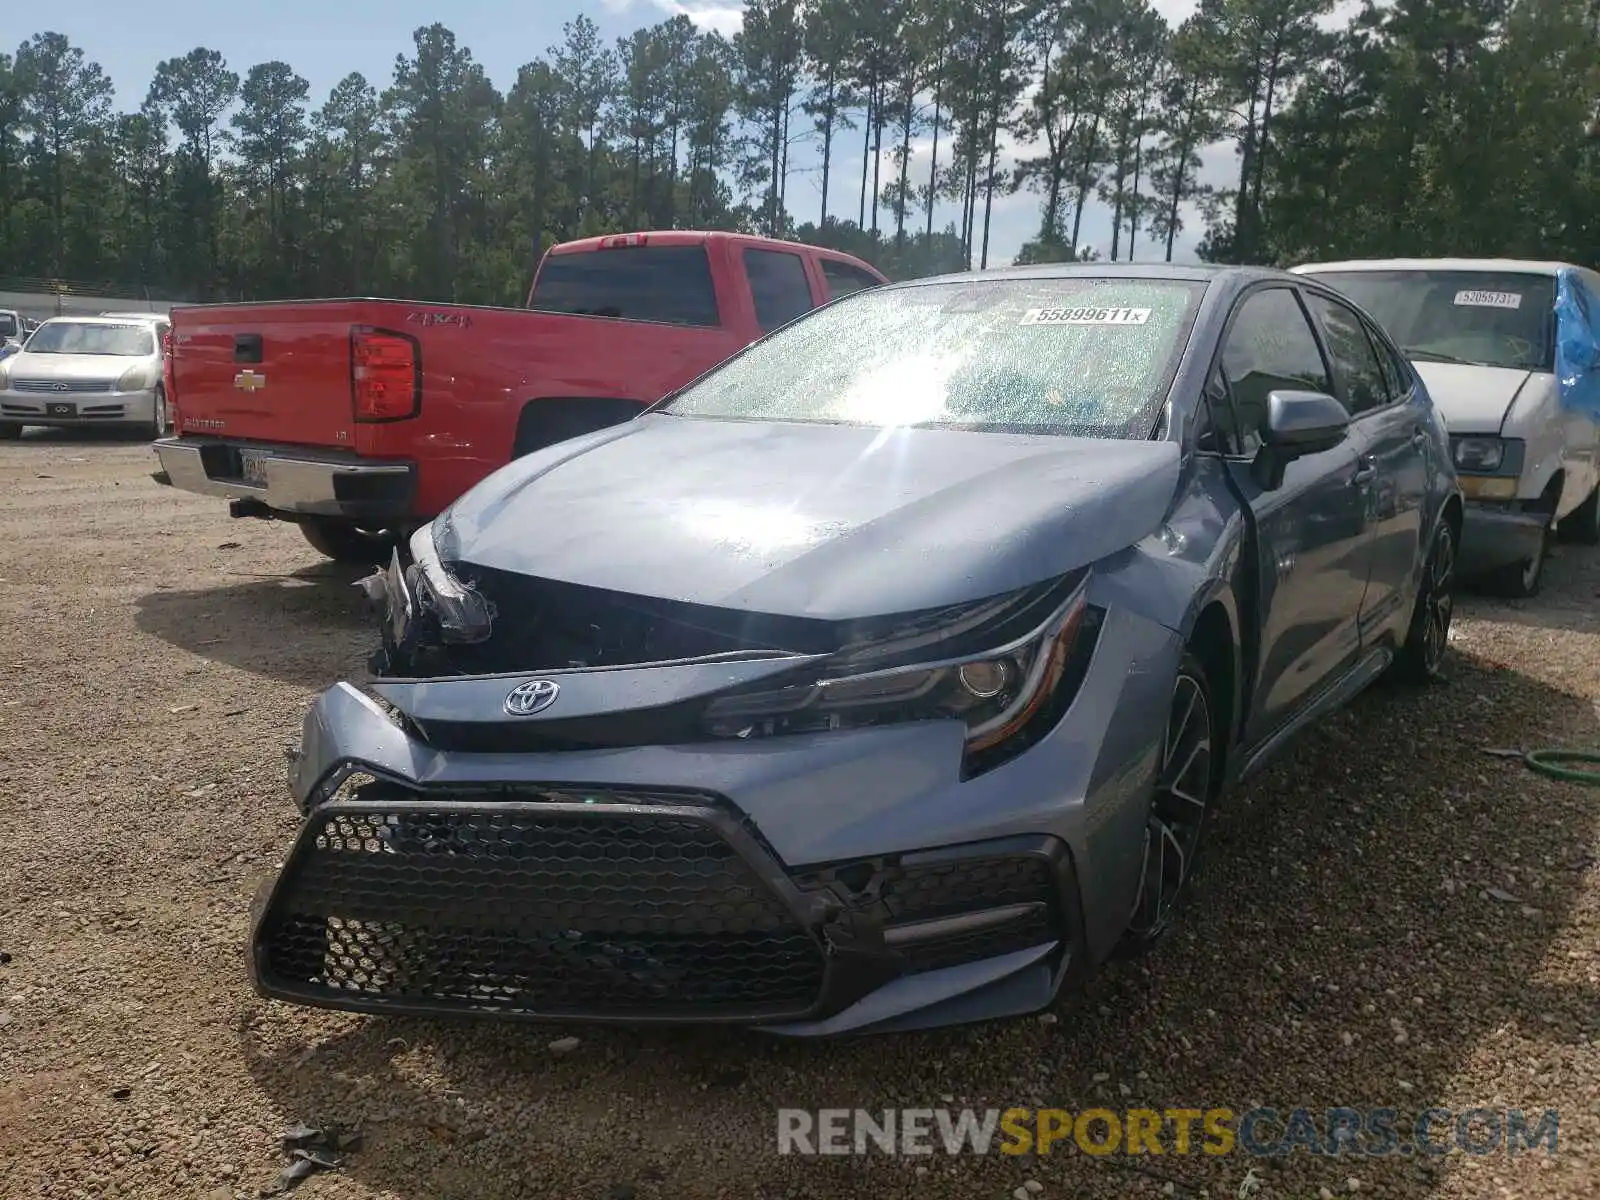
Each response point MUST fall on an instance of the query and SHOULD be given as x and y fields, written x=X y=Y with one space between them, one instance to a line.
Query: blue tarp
x=1577 y=344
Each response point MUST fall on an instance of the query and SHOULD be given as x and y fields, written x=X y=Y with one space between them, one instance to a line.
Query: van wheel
x=347 y=542
x=10 y=431
x=1582 y=524
x=1521 y=580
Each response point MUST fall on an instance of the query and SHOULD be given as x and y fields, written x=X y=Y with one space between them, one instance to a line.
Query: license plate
x=253 y=468
x=61 y=410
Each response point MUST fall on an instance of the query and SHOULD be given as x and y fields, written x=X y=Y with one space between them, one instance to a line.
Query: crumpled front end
x=808 y=840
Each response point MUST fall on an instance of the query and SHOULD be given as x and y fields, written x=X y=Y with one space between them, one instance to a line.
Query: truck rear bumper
x=294 y=480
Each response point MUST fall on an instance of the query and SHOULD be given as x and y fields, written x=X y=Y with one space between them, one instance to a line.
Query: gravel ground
x=1343 y=950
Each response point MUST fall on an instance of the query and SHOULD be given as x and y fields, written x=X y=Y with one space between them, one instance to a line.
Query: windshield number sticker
x=1489 y=299
x=1086 y=316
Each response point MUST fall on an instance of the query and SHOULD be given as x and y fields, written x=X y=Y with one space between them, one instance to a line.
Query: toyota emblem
x=59 y=387
x=532 y=697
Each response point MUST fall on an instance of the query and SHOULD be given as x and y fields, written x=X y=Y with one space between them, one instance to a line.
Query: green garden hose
x=1548 y=763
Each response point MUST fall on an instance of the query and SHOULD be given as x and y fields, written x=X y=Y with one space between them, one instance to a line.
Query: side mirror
x=1298 y=424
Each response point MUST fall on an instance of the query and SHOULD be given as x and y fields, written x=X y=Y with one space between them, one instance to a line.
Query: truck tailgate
x=277 y=372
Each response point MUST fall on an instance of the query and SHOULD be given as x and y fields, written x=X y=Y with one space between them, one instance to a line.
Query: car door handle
x=1365 y=473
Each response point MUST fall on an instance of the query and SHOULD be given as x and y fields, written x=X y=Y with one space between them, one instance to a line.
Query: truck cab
x=360 y=419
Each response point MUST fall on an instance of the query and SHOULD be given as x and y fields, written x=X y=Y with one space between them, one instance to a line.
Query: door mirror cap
x=1301 y=423
x=1298 y=424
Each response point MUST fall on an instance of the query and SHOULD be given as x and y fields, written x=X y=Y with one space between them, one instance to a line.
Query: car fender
x=1535 y=418
x=1197 y=558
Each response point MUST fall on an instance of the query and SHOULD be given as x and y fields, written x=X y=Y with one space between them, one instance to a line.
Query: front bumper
x=297 y=480
x=78 y=409
x=1499 y=535
x=647 y=908
x=889 y=892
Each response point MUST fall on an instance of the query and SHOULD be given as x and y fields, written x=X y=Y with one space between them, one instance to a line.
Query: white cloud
x=724 y=16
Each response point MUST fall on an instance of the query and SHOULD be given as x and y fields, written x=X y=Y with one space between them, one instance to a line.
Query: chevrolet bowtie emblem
x=249 y=381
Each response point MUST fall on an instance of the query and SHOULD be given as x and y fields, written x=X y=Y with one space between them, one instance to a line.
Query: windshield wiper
x=1436 y=356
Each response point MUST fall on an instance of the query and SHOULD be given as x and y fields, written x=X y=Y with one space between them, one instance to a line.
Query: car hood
x=71 y=367
x=1472 y=399
x=822 y=521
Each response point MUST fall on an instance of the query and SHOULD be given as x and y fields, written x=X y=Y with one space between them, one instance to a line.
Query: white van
x=1482 y=334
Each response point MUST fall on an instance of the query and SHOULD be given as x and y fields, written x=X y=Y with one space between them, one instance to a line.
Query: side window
x=1395 y=367
x=1353 y=356
x=778 y=283
x=843 y=279
x=1270 y=348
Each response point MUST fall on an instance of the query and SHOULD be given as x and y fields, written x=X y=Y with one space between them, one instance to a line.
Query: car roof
x=693 y=237
x=1177 y=272
x=136 y=316
x=97 y=318
x=1525 y=266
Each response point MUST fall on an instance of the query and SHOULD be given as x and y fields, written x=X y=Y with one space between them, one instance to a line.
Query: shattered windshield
x=72 y=337
x=1088 y=357
x=1482 y=318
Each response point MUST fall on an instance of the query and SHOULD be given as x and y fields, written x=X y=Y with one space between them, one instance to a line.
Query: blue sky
x=324 y=41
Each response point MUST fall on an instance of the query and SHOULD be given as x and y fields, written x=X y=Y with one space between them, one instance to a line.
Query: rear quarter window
x=669 y=285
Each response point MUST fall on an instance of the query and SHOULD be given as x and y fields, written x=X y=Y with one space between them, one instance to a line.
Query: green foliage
x=1421 y=127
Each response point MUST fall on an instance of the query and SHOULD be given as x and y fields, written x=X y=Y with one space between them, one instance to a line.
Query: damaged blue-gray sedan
x=886 y=676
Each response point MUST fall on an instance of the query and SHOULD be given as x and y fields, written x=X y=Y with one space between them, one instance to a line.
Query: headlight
x=463 y=614
x=135 y=379
x=1479 y=454
x=999 y=695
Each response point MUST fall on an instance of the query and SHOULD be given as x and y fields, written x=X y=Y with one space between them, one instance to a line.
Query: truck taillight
x=168 y=379
x=385 y=375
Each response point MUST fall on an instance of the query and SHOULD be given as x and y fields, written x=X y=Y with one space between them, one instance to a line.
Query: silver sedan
x=83 y=371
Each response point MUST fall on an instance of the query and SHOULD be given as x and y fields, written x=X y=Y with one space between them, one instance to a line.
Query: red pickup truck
x=361 y=419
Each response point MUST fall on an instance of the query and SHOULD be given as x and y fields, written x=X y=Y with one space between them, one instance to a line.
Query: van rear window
x=667 y=284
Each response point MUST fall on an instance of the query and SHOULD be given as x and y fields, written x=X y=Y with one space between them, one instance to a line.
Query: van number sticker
x=1086 y=316
x=1489 y=299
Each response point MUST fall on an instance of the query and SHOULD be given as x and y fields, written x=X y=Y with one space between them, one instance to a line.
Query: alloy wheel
x=1439 y=600
x=1177 y=808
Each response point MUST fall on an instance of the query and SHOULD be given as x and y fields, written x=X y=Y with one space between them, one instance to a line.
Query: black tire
x=346 y=542
x=1582 y=524
x=1421 y=658
x=160 y=420
x=546 y=422
x=10 y=431
x=1521 y=580
x=1185 y=794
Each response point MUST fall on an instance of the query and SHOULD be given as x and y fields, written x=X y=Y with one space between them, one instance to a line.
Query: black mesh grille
x=599 y=912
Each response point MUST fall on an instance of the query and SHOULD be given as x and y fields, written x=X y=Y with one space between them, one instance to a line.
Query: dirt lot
x=156 y=657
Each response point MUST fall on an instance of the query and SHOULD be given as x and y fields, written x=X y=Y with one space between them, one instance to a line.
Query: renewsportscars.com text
x=1258 y=1132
